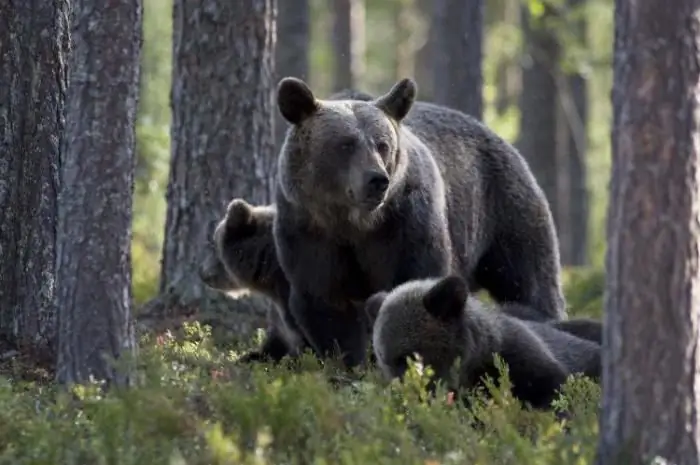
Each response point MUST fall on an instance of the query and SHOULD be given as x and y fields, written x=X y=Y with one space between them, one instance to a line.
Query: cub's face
x=213 y=273
x=240 y=238
x=340 y=153
x=418 y=317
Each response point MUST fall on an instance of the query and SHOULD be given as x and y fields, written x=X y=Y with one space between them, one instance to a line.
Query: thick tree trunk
x=348 y=37
x=650 y=397
x=222 y=141
x=93 y=265
x=292 y=51
x=457 y=55
x=34 y=42
x=537 y=140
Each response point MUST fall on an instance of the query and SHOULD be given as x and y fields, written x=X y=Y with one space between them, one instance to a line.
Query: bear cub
x=440 y=321
x=245 y=258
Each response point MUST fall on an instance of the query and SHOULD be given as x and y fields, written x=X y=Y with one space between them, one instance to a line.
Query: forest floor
x=194 y=404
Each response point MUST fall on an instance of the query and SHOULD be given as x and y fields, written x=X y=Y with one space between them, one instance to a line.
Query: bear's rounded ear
x=238 y=213
x=295 y=100
x=447 y=298
x=372 y=306
x=398 y=102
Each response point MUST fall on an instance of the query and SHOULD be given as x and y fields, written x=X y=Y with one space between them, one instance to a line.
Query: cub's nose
x=376 y=184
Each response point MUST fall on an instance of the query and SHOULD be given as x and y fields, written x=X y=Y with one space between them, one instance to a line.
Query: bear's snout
x=375 y=184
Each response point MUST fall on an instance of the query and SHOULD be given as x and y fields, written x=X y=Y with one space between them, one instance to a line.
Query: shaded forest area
x=125 y=131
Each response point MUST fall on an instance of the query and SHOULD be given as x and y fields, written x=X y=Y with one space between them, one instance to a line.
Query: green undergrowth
x=191 y=404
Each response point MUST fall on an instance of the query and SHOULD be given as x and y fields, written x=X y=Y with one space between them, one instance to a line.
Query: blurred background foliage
x=503 y=50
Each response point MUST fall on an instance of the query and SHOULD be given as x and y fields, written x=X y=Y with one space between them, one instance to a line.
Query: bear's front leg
x=332 y=329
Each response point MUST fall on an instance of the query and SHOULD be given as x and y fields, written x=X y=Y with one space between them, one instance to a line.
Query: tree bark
x=424 y=55
x=34 y=43
x=537 y=140
x=222 y=143
x=457 y=55
x=650 y=397
x=573 y=176
x=93 y=265
x=292 y=51
x=348 y=37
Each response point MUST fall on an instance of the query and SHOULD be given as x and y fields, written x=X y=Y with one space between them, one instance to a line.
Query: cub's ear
x=398 y=102
x=372 y=306
x=446 y=299
x=295 y=100
x=239 y=214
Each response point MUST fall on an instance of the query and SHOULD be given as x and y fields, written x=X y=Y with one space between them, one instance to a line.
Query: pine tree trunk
x=34 y=42
x=577 y=144
x=537 y=140
x=292 y=51
x=93 y=265
x=424 y=72
x=348 y=37
x=457 y=58
x=222 y=146
x=651 y=363
x=572 y=125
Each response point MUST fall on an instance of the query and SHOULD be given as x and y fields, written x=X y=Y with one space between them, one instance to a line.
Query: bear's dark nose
x=376 y=184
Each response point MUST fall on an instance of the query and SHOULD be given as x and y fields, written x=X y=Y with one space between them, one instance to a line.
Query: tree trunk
x=292 y=51
x=508 y=74
x=34 y=42
x=348 y=43
x=222 y=143
x=573 y=176
x=457 y=58
x=537 y=140
x=93 y=265
x=650 y=397
x=424 y=54
x=405 y=26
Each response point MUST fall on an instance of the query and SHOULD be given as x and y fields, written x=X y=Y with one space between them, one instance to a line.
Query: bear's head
x=341 y=154
x=213 y=273
x=242 y=238
x=423 y=317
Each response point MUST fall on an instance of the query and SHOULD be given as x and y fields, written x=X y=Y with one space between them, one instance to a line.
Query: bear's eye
x=348 y=145
x=382 y=147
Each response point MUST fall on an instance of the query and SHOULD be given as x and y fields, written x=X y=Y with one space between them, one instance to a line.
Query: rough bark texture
x=650 y=397
x=222 y=141
x=93 y=265
x=573 y=176
x=34 y=42
x=348 y=37
x=292 y=51
x=457 y=55
x=537 y=140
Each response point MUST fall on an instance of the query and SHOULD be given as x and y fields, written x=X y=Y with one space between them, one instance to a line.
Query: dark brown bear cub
x=373 y=194
x=438 y=320
x=245 y=258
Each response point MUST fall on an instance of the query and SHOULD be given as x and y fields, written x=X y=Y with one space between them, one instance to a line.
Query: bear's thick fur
x=438 y=320
x=373 y=194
